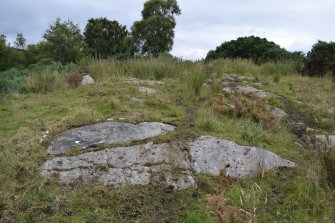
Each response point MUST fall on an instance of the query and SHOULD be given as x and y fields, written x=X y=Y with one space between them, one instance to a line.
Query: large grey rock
x=325 y=141
x=211 y=155
x=106 y=133
x=251 y=91
x=160 y=164
x=87 y=79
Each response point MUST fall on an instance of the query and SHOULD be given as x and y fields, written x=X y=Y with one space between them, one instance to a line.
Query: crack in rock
x=166 y=164
x=138 y=164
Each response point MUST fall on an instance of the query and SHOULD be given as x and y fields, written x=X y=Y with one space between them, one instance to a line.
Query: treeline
x=64 y=42
x=319 y=61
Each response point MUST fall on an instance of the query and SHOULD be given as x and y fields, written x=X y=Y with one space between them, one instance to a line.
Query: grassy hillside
x=191 y=98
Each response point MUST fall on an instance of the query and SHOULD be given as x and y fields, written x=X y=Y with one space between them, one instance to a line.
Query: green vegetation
x=301 y=195
x=41 y=95
x=321 y=59
x=155 y=32
x=260 y=50
x=63 y=39
x=105 y=38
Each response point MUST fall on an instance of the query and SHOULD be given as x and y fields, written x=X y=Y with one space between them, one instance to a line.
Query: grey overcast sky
x=203 y=25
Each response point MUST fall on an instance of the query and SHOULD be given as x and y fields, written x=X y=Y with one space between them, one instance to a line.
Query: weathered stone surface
x=147 y=90
x=251 y=91
x=157 y=164
x=87 y=79
x=211 y=155
x=227 y=90
x=106 y=133
x=138 y=100
x=145 y=82
x=276 y=112
x=279 y=113
x=325 y=141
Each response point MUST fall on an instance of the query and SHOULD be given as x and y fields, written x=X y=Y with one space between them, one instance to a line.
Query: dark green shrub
x=321 y=59
x=258 y=49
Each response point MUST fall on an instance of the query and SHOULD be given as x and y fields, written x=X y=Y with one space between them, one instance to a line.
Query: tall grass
x=143 y=68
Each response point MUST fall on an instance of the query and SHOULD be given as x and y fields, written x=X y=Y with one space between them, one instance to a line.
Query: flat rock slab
x=211 y=155
x=157 y=164
x=106 y=133
x=146 y=82
x=251 y=91
x=147 y=90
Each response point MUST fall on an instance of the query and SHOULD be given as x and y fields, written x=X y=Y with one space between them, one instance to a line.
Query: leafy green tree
x=154 y=34
x=5 y=54
x=258 y=49
x=37 y=52
x=321 y=59
x=64 y=41
x=20 y=41
x=105 y=38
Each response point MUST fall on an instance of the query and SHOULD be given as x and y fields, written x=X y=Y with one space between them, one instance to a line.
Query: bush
x=328 y=161
x=74 y=79
x=321 y=59
x=42 y=82
x=258 y=49
x=196 y=82
x=13 y=80
x=252 y=131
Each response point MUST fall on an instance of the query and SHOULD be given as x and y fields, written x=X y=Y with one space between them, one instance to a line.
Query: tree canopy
x=258 y=49
x=154 y=34
x=64 y=40
x=20 y=41
x=321 y=59
x=105 y=38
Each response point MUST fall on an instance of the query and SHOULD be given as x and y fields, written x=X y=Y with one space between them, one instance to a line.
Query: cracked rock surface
x=106 y=133
x=211 y=155
x=158 y=164
x=165 y=164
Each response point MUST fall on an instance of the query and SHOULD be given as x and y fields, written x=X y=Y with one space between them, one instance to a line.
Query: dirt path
x=296 y=122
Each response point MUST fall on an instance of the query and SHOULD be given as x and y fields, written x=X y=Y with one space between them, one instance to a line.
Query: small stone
x=147 y=90
x=227 y=90
x=87 y=79
x=138 y=100
x=325 y=141
x=278 y=113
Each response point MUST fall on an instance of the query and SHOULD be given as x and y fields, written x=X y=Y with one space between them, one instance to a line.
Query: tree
x=20 y=41
x=5 y=54
x=321 y=59
x=155 y=32
x=258 y=49
x=105 y=38
x=64 y=41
